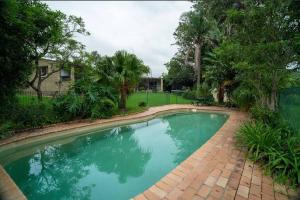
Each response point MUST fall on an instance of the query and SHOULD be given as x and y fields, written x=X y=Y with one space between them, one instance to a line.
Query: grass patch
x=154 y=99
x=26 y=100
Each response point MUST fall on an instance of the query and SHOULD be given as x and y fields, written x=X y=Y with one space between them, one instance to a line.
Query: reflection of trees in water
x=120 y=154
x=55 y=171
x=52 y=173
x=189 y=130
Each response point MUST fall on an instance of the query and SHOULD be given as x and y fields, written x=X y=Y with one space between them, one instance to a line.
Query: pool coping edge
x=7 y=185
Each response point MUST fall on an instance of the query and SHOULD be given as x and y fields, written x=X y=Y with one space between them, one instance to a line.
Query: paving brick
x=239 y=197
x=196 y=197
x=243 y=191
x=174 y=194
x=163 y=186
x=210 y=181
x=169 y=181
x=216 y=172
x=188 y=194
x=254 y=197
x=222 y=182
x=226 y=173
x=229 y=166
x=256 y=180
x=217 y=192
x=267 y=197
x=150 y=195
x=174 y=177
x=204 y=191
x=198 y=182
x=255 y=190
x=159 y=192
x=245 y=181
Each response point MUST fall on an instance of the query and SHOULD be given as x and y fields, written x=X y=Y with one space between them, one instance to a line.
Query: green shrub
x=244 y=98
x=265 y=115
x=86 y=101
x=203 y=93
x=142 y=104
x=189 y=94
x=278 y=148
x=105 y=108
x=6 y=129
x=30 y=115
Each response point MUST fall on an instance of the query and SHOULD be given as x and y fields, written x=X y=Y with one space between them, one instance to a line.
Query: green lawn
x=154 y=99
x=25 y=99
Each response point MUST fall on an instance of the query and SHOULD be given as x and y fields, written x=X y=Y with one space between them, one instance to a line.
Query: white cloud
x=144 y=28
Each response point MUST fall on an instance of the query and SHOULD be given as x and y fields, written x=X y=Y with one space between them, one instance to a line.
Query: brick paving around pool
x=217 y=170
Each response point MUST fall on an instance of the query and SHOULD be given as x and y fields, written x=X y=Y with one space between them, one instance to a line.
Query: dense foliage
x=86 y=99
x=276 y=147
x=248 y=50
x=122 y=71
x=15 y=54
x=19 y=116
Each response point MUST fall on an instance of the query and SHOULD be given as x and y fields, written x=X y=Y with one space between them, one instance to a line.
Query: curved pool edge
x=202 y=167
x=7 y=184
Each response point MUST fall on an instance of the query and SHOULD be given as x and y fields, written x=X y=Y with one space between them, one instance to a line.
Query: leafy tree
x=15 y=54
x=266 y=38
x=123 y=70
x=195 y=30
x=220 y=72
x=179 y=74
x=52 y=38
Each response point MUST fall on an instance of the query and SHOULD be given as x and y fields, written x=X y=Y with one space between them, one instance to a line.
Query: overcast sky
x=141 y=27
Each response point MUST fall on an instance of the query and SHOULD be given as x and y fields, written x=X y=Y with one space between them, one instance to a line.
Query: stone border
x=55 y=131
x=8 y=189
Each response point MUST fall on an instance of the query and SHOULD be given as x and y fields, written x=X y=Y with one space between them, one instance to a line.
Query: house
x=151 y=83
x=58 y=82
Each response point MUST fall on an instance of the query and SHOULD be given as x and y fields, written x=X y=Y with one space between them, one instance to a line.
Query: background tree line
x=250 y=49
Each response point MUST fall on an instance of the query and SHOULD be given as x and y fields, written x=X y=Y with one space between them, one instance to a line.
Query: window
x=43 y=70
x=65 y=75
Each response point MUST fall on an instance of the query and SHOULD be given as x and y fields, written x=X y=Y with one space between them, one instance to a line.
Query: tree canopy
x=249 y=49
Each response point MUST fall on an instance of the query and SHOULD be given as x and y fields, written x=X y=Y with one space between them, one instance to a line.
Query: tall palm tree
x=126 y=71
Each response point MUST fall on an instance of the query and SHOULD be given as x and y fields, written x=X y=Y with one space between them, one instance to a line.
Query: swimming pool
x=116 y=163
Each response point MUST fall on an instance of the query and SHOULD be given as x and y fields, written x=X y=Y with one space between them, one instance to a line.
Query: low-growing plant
x=142 y=104
x=189 y=94
x=277 y=148
x=265 y=115
x=30 y=115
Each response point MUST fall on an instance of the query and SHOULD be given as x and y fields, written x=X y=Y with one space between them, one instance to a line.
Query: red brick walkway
x=217 y=170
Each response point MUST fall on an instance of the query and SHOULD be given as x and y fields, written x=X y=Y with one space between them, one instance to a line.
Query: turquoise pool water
x=113 y=164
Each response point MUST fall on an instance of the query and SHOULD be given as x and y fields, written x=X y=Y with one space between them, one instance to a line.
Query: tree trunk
x=37 y=78
x=221 y=91
x=122 y=103
x=39 y=94
x=272 y=104
x=198 y=65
